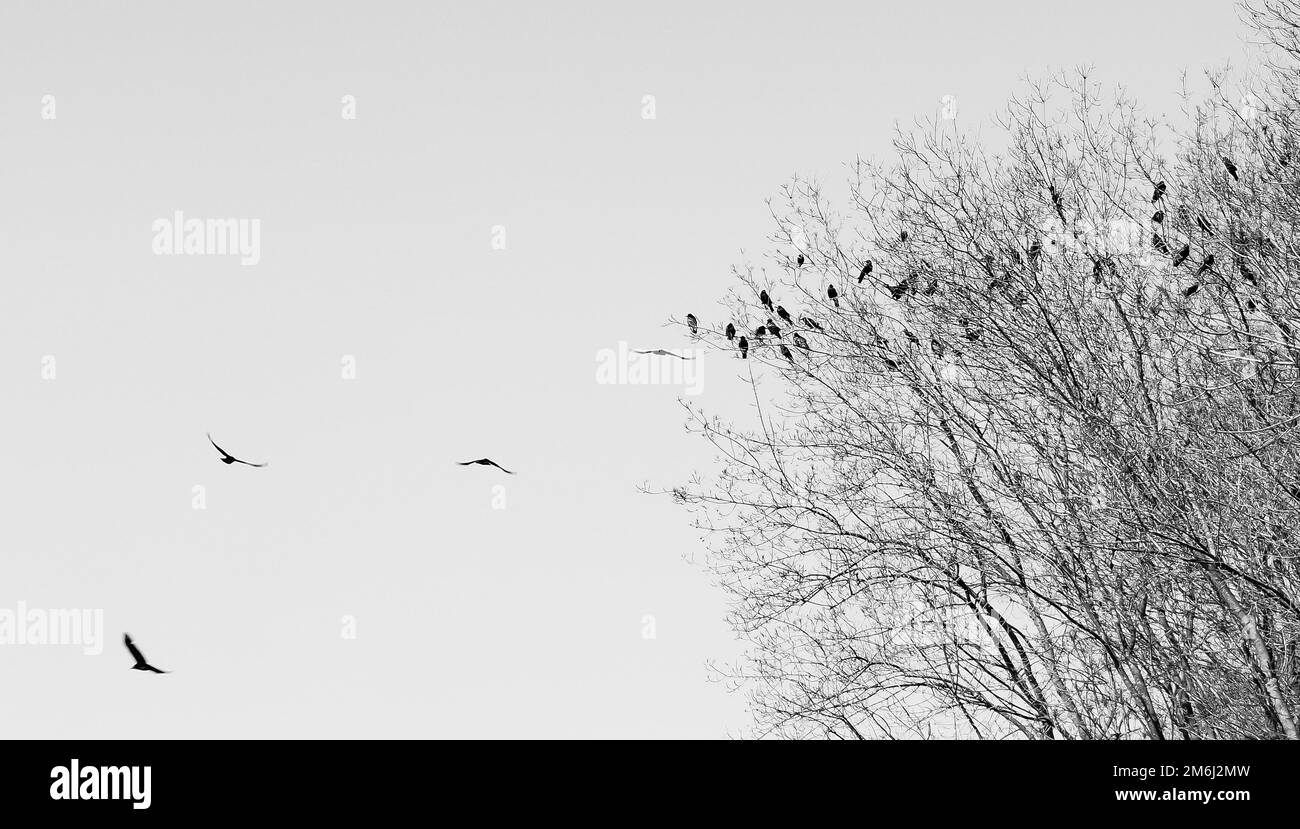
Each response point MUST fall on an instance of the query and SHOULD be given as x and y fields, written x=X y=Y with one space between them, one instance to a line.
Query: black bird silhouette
x=731 y=331
x=487 y=462
x=785 y=352
x=1181 y=256
x=1206 y=264
x=1159 y=244
x=765 y=300
x=663 y=353
x=1204 y=225
x=800 y=342
x=140 y=663
x=902 y=237
x=896 y=291
x=773 y=329
x=692 y=323
x=1035 y=249
x=799 y=262
x=866 y=269
x=833 y=295
x=1057 y=203
x=1159 y=192
x=783 y=314
x=744 y=347
x=1158 y=216
x=1196 y=286
x=1232 y=168
x=809 y=322
x=228 y=458
x=759 y=333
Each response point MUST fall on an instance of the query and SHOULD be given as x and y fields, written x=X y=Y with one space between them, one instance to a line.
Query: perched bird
x=1159 y=192
x=1205 y=226
x=731 y=331
x=902 y=237
x=228 y=458
x=800 y=342
x=1195 y=286
x=773 y=329
x=1181 y=256
x=799 y=262
x=140 y=663
x=692 y=323
x=744 y=347
x=785 y=352
x=1159 y=244
x=1057 y=202
x=784 y=314
x=896 y=291
x=488 y=462
x=1096 y=271
x=891 y=363
x=1231 y=168
x=937 y=348
x=765 y=300
x=866 y=269
x=1158 y=216
x=1035 y=250
x=931 y=287
x=662 y=353
x=809 y=322
x=1206 y=264
x=833 y=295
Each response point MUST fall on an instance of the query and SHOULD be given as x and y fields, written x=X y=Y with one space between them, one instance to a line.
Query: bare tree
x=1034 y=471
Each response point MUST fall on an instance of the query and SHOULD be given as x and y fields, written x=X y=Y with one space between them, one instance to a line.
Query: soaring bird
x=866 y=269
x=662 y=353
x=799 y=262
x=765 y=300
x=1159 y=192
x=487 y=462
x=785 y=352
x=228 y=458
x=1196 y=286
x=744 y=347
x=833 y=295
x=800 y=342
x=1158 y=216
x=773 y=329
x=1231 y=168
x=731 y=331
x=1181 y=256
x=809 y=322
x=784 y=314
x=692 y=323
x=140 y=663
x=1206 y=264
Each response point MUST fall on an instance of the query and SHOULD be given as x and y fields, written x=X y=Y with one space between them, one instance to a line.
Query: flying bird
x=783 y=314
x=765 y=300
x=692 y=323
x=489 y=462
x=809 y=322
x=866 y=269
x=1159 y=192
x=833 y=295
x=140 y=663
x=785 y=352
x=1181 y=256
x=1232 y=168
x=228 y=458
x=744 y=347
x=731 y=331
x=800 y=342
x=663 y=353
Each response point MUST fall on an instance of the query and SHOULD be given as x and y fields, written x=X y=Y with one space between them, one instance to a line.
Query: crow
x=228 y=458
x=800 y=342
x=773 y=330
x=1057 y=203
x=1206 y=264
x=1159 y=192
x=662 y=353
x=784 y=314
x=692 y=323
x=744 y=347
x=1035 y=250
x=1195 y=286
x=731 y=331
x=896 y=291
x=799 y=262
x=759 y=333
x=1159 y=244
x=866 y=269
x=809 y=322
x=902 y=237
x=1232 y=168
x=765 y=300
x=785 y=352
x=140 y=663
x=1181 y=256
x=1158 y=216
x=489 y=462
x=833 y=295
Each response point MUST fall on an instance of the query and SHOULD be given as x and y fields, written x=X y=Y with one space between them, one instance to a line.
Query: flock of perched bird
x=910 y=285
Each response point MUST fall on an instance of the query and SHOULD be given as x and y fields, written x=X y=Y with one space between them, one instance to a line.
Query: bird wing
x=246 y=463
x=499 y=466
x=149 y=667
x=219 y=449
x=135 y=652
